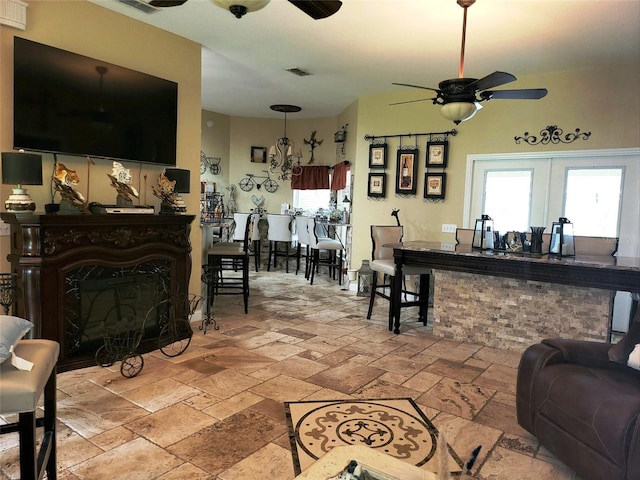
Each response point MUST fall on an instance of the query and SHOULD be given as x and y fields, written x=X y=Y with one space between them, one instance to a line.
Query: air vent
x=298 y=71
x=140 y=5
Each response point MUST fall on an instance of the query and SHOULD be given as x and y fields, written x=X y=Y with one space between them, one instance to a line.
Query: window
x=592 y=200
x=311 y=200
x=507 y=195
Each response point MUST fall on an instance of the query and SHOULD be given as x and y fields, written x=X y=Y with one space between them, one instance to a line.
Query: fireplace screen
x=106 y=299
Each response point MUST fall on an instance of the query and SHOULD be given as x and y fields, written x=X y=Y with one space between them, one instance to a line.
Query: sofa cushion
x=600 y=407
x=621 y=351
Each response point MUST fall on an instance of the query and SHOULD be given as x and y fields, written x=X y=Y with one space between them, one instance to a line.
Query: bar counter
x=510 y=300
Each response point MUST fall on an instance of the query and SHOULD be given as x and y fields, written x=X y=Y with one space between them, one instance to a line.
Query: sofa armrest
x=588 y=354
x=534 y=359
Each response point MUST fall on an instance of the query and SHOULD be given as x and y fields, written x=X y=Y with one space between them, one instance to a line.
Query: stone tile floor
x=216 y=411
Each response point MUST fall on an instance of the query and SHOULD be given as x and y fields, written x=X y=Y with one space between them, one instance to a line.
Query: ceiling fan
x=316 y=9
x=460 y=97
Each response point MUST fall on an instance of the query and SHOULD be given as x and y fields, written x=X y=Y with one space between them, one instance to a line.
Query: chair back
x=302 y=230
x=248 y=233
x=381 y=235
x=240 y=220
x=279 y=228
x=311 y=229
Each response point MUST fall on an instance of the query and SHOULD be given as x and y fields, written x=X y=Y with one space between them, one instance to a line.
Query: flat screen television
x=76 y=105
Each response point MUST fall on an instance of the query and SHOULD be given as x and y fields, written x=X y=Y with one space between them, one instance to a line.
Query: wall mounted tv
x=76 y=105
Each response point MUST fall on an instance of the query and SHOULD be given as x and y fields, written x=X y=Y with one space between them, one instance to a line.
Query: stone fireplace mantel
x=53 y=253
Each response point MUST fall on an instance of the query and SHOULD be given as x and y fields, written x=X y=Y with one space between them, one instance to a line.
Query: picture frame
x=407 y=172
x=435 y=185
x=378 y=155
x=377 y=185
x=258 y=155
x=437 y=154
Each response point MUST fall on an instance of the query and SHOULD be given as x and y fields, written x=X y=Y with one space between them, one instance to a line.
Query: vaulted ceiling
x=369 y=44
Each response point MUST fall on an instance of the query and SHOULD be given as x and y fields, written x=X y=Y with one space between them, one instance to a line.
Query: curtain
x=339 y=178
x=313 y=177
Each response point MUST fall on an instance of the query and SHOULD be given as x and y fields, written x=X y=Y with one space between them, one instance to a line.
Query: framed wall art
x=377 y=185
x=407 y=171
x=434 y=185
x=258 y=155
x=378 y=155
x=437 y=153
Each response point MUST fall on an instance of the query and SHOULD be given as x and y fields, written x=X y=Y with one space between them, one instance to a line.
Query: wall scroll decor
x=377 y=185
x=437 y=154
x=552 y=134
x=258 y=155
x=407 y=171
x=434 y=185
x=378 y=155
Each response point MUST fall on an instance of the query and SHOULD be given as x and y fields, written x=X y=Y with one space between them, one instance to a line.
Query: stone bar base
x=511 y=314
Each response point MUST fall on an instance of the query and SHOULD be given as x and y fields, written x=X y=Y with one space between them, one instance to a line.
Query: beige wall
x=90 y=30
x=604 y=101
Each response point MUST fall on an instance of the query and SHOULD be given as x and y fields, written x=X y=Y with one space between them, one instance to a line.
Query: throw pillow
x=12 y=329
x=620 y=351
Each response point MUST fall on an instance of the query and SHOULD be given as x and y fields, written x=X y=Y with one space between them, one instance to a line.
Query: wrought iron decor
x=210 y=163
x=552 y=134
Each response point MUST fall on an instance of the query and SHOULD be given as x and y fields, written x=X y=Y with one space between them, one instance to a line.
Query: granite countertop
x=597 y=261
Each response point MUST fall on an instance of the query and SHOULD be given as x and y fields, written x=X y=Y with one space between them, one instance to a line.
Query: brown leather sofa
x=581 y=406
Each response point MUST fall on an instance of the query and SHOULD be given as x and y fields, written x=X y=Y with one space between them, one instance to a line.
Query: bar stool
x=382 y=262
x=20 y=391
x=334 y=248
x=303 y=241
x=279 y=232
x=224 y=259
x=240 y=220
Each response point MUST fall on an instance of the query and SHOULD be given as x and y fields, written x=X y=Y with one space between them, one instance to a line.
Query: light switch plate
x=449 y=228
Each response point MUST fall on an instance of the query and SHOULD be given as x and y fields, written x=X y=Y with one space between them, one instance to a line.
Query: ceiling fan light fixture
x=241 y=7
x=459 y=111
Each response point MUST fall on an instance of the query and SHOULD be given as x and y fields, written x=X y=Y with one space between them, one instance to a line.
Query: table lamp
x=19 y=168
x=182 y=178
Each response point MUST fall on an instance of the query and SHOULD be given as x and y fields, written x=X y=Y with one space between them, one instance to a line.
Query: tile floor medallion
x=395 y=426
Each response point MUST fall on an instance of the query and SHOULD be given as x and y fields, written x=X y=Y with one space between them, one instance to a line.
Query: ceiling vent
x=298 y=71
x=140 y=5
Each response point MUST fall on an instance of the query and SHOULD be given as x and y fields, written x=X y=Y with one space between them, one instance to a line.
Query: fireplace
x=84 y=275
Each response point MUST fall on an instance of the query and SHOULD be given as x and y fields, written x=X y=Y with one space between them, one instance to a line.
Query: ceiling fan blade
x=494 y=79
x=525 y=94
x=318 y=9
x=416 y=86
x=414 y=101
x=166 y=3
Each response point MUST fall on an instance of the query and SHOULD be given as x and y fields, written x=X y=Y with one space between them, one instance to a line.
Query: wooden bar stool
x=20 y=391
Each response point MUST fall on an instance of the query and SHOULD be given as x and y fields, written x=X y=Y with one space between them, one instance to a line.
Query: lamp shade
x=459 y=111
x=19 y=168
x=240 y=7
x=182 y=178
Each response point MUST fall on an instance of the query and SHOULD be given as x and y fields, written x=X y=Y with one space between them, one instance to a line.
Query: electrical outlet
x=449 y=228
x=449 y=247
x=5 y=229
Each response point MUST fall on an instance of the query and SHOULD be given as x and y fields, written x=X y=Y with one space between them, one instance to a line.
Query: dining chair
x=302 y=241
x=382 y=262
x=280 y=238
x=240 y=220
x=224 y=261
x=334 y=249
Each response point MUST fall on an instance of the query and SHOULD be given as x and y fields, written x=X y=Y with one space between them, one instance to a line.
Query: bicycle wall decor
x=248 y=182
